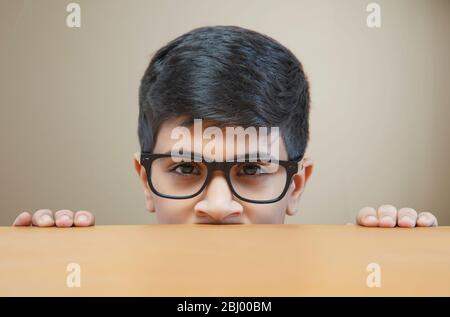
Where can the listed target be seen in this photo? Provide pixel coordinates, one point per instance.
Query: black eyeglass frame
(291, 166)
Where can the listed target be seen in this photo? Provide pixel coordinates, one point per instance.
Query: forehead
(167, 139)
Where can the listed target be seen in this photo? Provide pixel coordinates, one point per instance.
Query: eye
(249, 169)
(186, 169)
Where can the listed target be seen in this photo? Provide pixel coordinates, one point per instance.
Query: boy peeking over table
(245, 93)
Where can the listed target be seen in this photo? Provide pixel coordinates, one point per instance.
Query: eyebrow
(244, 156)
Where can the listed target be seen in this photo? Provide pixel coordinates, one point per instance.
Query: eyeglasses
(250, 179)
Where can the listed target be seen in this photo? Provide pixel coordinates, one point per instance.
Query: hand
(62, 219)
(387, 216)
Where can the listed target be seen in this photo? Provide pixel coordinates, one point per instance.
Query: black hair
(231, 76)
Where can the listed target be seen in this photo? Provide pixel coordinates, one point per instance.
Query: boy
(229, 77)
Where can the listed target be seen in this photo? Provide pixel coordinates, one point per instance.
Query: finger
(24, 219)
(406, 218)
(367, 217)
(64, 218)
(426, 219)
(387, 216)
(84, 218)
(43, 218)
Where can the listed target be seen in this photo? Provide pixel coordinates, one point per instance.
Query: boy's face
(216, 203)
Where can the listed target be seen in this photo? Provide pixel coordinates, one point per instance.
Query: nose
(218, 204)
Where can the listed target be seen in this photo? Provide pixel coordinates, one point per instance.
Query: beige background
(380, 101)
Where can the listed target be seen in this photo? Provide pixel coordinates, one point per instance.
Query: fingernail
(425, 219)
(387, 219)
(370, 219)
(82, 218)
(406, 219)
(64, 218)
(45, 220)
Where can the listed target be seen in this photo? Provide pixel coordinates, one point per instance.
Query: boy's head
(228, 77)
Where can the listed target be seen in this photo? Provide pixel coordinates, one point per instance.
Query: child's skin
(216, 204)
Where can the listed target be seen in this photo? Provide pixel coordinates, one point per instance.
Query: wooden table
(227, 260)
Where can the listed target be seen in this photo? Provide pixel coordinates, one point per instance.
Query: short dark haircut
(231, 76)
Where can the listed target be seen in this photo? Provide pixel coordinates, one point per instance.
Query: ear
(143, 177)
(298, 186)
